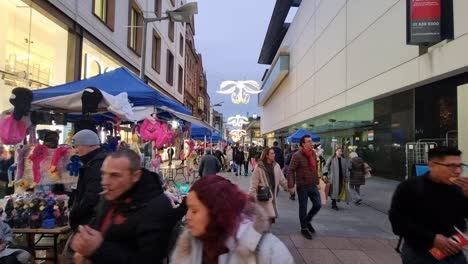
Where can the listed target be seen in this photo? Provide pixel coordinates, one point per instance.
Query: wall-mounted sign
(425, 21)
(429, 21)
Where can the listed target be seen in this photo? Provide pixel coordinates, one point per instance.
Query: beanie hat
(86, 137)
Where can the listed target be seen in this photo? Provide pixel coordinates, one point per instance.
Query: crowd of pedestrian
(120, 213)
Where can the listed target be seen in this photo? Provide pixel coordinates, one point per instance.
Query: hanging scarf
(310, 154)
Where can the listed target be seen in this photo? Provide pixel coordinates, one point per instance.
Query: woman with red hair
(226, 226)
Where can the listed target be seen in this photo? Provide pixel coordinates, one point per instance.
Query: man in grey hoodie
(209, 165)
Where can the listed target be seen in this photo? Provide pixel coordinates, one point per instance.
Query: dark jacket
(240, 158)
(253, 153)
(358, 172)
(88, 188)
(140, 227)
(209, 165)
(279, 156)
(299, 171)
(422, 208)
(4, 166)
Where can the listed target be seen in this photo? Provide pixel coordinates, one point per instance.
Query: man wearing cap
(88, 146)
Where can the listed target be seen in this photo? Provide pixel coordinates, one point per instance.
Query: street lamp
(181, 14)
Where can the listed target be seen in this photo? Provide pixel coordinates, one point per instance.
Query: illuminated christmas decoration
(240, 90)
(237, 121)
(238, 132)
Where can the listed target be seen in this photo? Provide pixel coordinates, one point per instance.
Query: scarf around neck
(310, 154)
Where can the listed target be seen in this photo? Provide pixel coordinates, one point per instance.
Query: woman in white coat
(337, 171)
(268, 173)
(224, 226)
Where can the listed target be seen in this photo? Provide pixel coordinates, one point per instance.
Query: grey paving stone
(352, 257)
(319, 256)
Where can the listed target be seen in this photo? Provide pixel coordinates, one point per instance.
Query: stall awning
(193, 120)
(115, 82)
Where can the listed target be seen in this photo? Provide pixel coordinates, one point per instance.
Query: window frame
(157, 51)
(180, 84)
(108, 8)
(171, 30)
(137, 37)
(170, 64)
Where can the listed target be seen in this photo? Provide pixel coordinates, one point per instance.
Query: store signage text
(91, 63)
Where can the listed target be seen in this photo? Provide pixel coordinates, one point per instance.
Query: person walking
(287, 161)
(303, 171)
(240, 160)
(246, 160)
(426, 210)
(336, 172)
(231, 230)
(87, 145)
(209, 165)
(229, 158)
(268, 174)
(357, 176)
(279, 155)
(134, 219)
(253, 155)
(170, 154)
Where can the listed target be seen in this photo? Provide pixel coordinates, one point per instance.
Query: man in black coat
(427, 210)
(134, 219)
(279, 155)
(87, 146)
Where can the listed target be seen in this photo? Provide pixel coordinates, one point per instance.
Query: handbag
(263, 193)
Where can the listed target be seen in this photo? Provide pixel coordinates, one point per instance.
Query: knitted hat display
(90, 100)
(21, 99)
(38, 155)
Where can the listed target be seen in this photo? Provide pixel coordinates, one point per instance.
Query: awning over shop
(193, 120)
(71, 104)
(296, 136)
(116, 82)
(199, 133)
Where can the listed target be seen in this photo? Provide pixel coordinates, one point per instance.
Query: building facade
(343, 70)
(203, 101)
(45, 43)
(195, 77)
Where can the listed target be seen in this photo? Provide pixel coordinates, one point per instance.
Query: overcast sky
(229, 34)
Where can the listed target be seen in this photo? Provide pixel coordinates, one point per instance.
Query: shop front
(95, 61)
(33, 49)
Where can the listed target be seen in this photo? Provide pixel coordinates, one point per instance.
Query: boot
(334, 206)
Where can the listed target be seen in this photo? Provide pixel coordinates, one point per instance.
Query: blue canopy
(115, 82)
(199, 133)
(296, 136)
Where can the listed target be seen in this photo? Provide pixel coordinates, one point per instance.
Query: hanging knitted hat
(21, 99)
(90, 100)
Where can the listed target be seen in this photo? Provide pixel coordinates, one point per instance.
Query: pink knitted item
(59, 153)
(12, 131)
(22, 153)
(38, 155)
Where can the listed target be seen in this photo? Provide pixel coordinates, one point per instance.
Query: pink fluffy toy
(38, 155)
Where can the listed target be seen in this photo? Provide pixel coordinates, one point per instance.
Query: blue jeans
(411, 256)
(303, 194)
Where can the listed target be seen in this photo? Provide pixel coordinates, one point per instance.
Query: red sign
(425, 9)
(425, 21)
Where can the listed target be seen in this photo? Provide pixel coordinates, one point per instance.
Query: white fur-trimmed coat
(243, 248)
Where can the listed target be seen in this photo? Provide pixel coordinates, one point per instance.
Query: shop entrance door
(417, 154)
